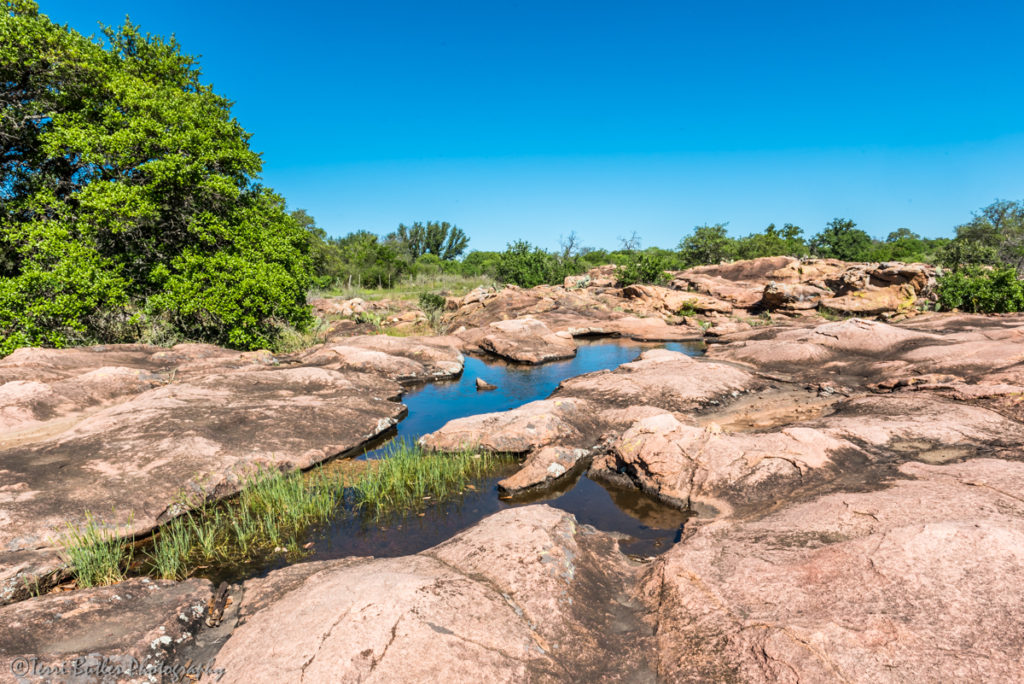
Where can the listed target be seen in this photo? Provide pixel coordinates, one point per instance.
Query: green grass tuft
(98, 554)
(273, 513)
(408, 478)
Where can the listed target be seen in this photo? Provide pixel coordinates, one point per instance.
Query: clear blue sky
(532, 119)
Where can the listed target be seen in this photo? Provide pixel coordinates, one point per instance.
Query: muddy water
(649, 526)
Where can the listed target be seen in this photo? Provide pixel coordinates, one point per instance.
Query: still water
(649, 526)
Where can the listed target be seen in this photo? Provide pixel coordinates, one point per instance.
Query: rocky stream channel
(808, 500)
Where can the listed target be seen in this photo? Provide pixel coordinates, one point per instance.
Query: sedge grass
(407, 477)
(98, 553)
(273, 513)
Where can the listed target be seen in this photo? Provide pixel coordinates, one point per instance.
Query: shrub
(433, 306)
(979, 290)
(126, 185)
(643, 267)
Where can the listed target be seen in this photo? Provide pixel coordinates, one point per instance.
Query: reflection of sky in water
(432, 405)
(652, 526)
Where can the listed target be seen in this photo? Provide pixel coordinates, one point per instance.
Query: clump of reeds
(407, 478)
(273, 513)
(99, 554)
(270, 515)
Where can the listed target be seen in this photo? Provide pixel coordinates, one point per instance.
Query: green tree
(527, 266)
(128, 195)
(478, 263)
(999, 227)
(841, 239)
(707, 245)
(443, 240)
(788, 241)
(963, 253)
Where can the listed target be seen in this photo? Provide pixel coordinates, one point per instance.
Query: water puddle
(434, 404)
(648, 527)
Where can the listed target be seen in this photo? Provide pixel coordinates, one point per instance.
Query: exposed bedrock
(524, 595)
(919, 582)
(131, 464)
(137, 626)
(584, 408)
(405, 359)
(982, 350)
(523, 340)
(857, 446)
(126, 433)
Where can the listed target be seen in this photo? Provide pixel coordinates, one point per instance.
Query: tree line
(131, 210)
(994, 237)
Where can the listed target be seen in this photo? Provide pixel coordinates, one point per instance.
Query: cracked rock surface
(525, 595)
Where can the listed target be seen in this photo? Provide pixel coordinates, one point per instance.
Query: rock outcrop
(131, 632)
(405, 359)
(132, 464)
(525, 595)
(543, 468)
(918, 581)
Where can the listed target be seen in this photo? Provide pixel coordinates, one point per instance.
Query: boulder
(526, 341)
(792, 296)
(668, 301)
(872, 301)
(484, 386)
(747, 270)
(543, 468)
(529, 427)
(919, 276)
(741, 295)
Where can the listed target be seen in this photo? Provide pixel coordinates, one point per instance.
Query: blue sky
(532, 119)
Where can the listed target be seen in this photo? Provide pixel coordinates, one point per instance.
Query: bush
(643, 267)
(527, 266)
(128, 193)
(433, 306)
(978, 290)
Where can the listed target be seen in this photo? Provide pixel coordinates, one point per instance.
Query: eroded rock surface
(131, 464)
(525, 595)
(916, 582)
(405, 359)
(526, 341)
(856, 446)
(543, 468)
(137, 626)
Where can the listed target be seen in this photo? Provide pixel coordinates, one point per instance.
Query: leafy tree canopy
(443, 240)
(788, 241)
(707, 245)
(994, 235)
(128, 197)
(841, 239)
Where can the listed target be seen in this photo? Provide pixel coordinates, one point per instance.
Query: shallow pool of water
(432, 405)
(649, 527)
(652, 527)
